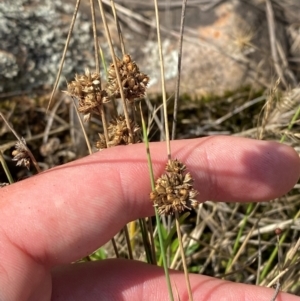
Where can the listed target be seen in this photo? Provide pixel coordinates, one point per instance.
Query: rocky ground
(227, 44)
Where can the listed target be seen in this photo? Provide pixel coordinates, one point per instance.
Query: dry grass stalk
(163, 84)
(273, 42)
(113, 7)
(95, 36)
(64, 53)
(114, 58)
(88, 144)
(176, 98)
(267, 109)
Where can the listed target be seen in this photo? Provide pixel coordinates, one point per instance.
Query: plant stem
(158, 223)
(82, 128)
(163, 85)
(237, 239)
(176, 98)
(95, 37)
(108, 37)
(113, 7)
(104, 123)
(186, 273)
(64, 52)
(6, 169)
(127, 238)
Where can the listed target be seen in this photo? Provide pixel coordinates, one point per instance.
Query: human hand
(67, 212)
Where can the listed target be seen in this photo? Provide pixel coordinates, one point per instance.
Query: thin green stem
(295, 117)
(147, 245)
(6, 169)
(237, 239)
(158, 223)
(272, 257)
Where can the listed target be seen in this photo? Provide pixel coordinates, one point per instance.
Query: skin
(65, 213)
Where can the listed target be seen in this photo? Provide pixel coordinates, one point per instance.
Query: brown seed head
(87, 89)
(131, 67)
(21, 154)
(174, 190)
(175, 166)
(126, 59)
(134, 83)
(118, 133)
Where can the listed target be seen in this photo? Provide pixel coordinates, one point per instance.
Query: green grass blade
(6, 169)
(295, 117)
(272, 257)
(169, 236)
(237, 239)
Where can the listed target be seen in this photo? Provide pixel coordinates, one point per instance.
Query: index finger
(75, 208)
